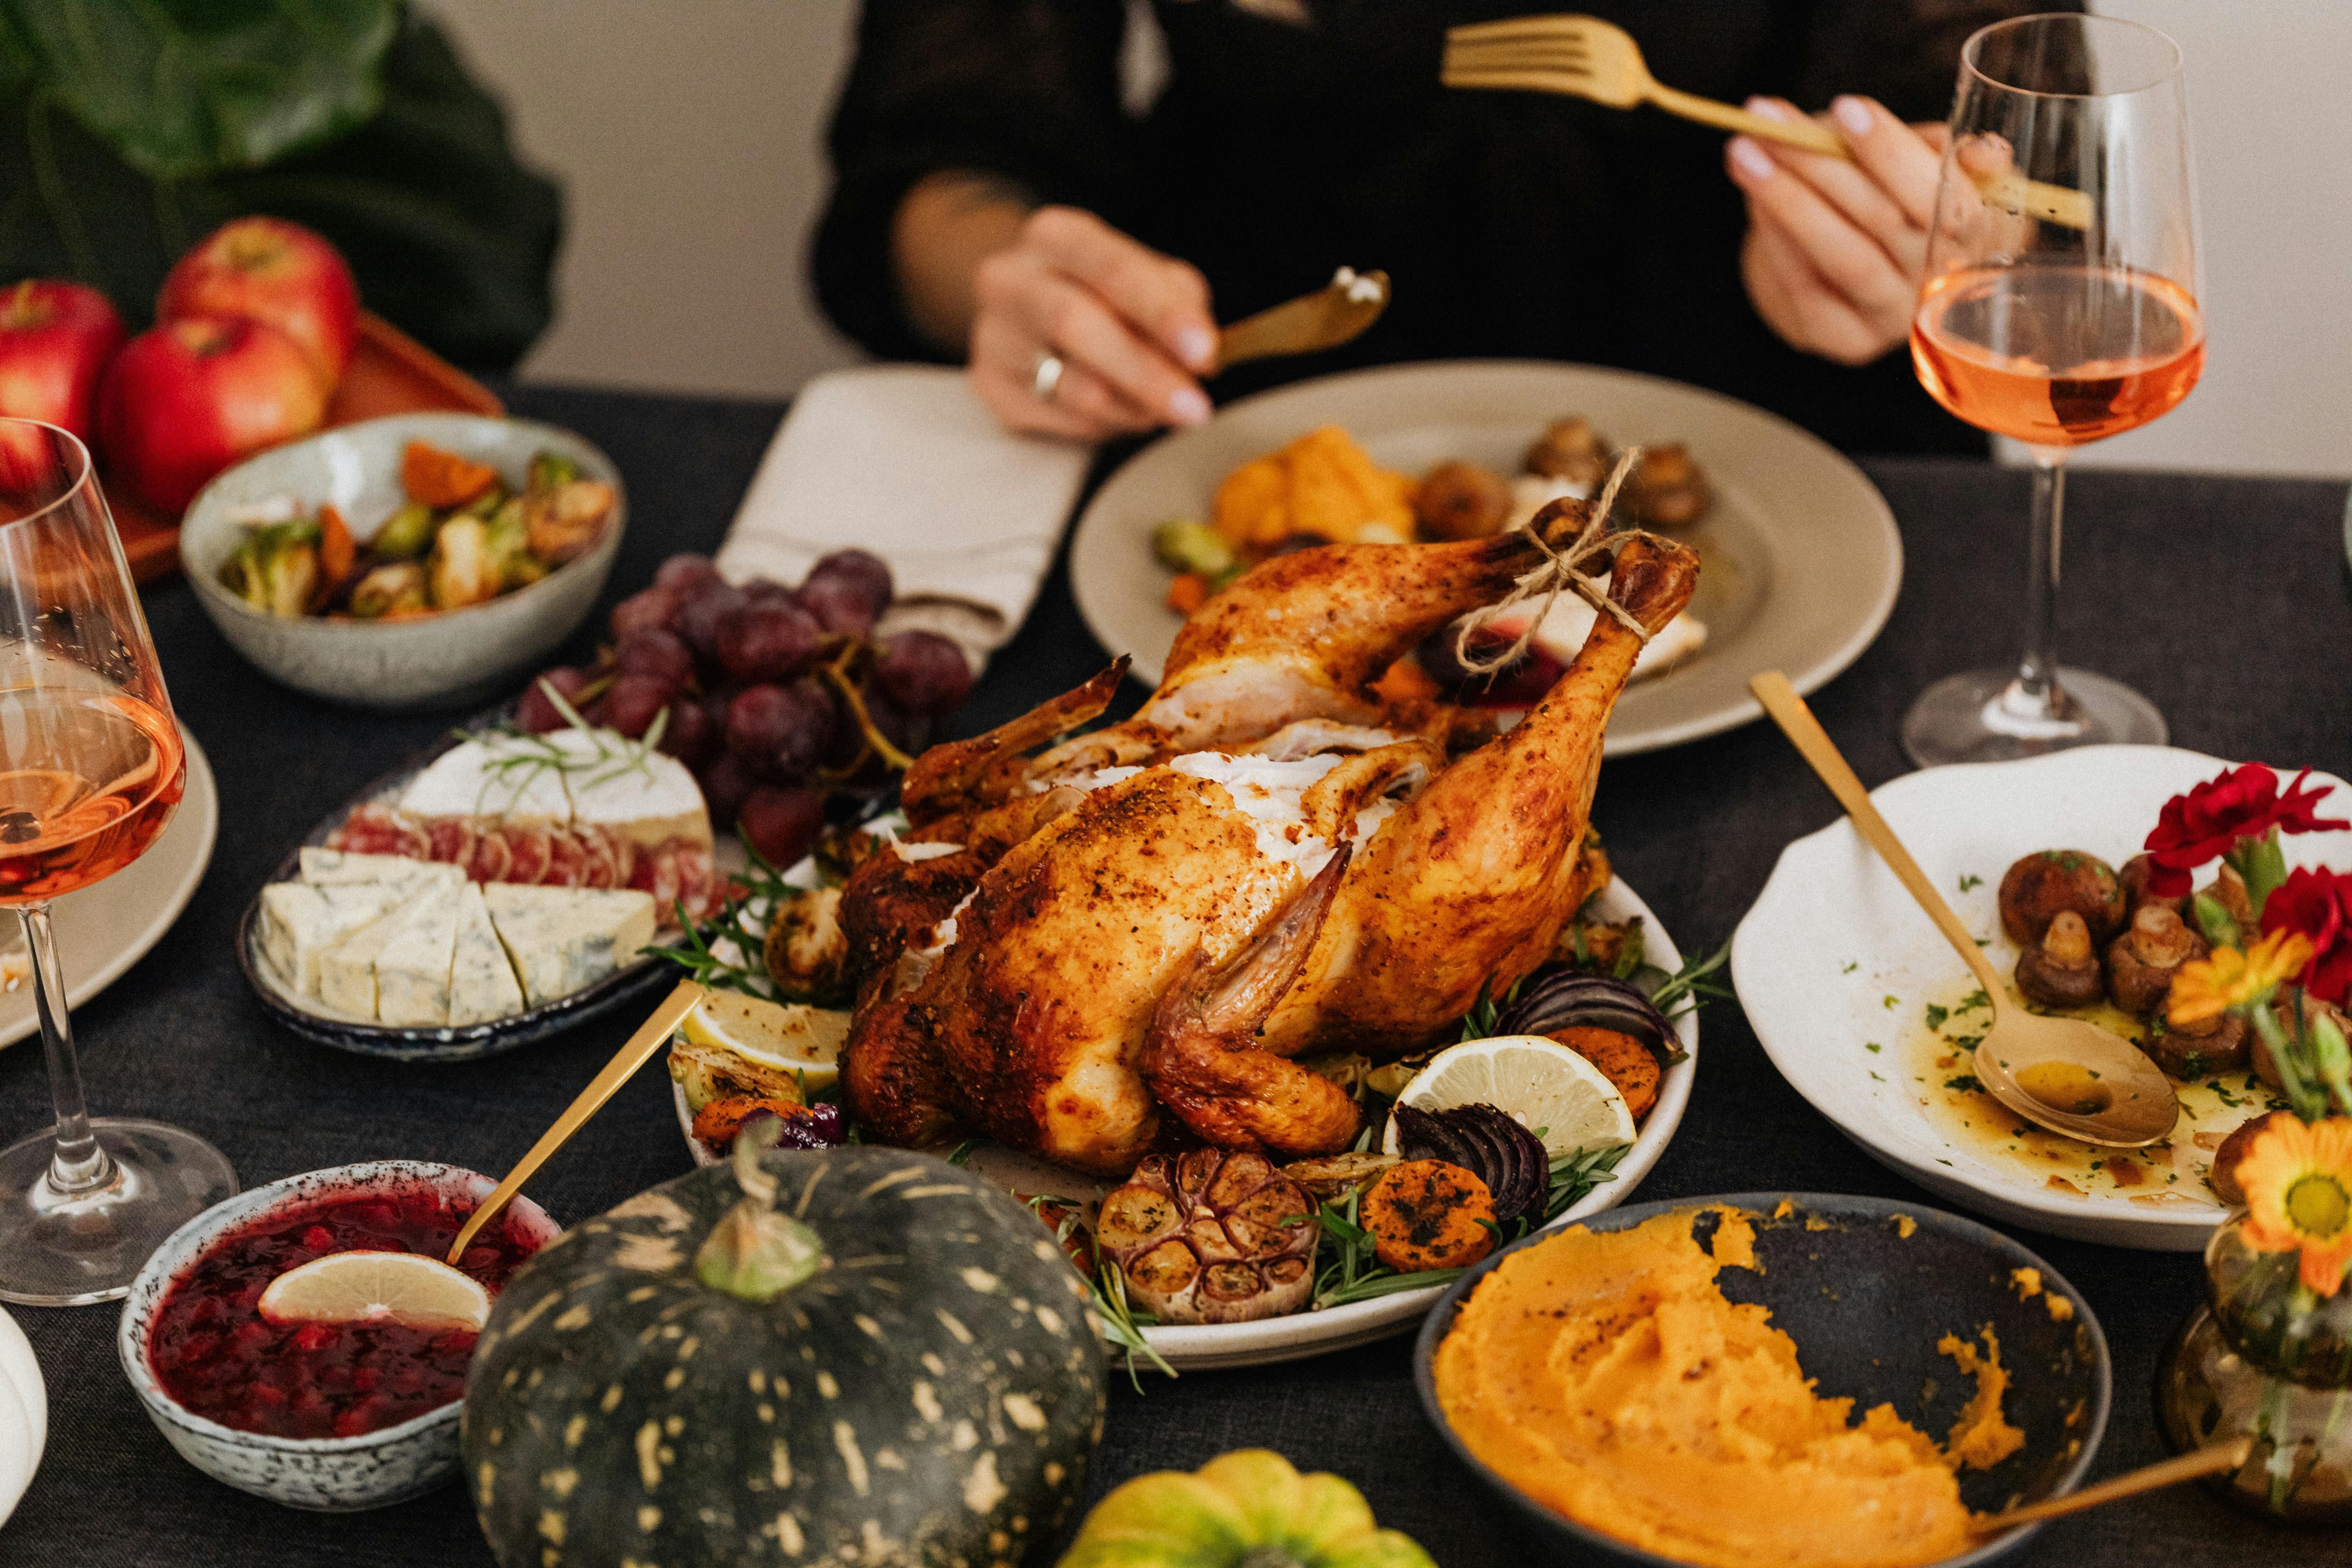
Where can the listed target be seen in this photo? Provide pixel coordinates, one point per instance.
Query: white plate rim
(184, 853)
(1098, 531)
(1207, 1346)
(1792, 1034)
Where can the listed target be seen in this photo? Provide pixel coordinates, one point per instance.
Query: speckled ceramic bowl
(457, 657)
(335, 1474)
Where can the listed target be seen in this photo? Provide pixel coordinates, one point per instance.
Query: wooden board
(390, 372)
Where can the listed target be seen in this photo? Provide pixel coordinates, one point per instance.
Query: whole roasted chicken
(1148, 921)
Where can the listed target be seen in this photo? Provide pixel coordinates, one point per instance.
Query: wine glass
(91, 766)
(2059, 307)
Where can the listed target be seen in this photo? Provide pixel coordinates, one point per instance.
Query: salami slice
(528, 855)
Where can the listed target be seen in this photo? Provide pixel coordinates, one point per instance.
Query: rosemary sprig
(1690, 986)
(1120, 1323)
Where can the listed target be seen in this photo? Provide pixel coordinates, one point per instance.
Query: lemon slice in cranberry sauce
(402, 1287)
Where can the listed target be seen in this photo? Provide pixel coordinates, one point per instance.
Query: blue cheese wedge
(331, 868)
(411, 971)
(299, 922)
(482, 980)
(350, 974)
(506, 776)
(561, 939)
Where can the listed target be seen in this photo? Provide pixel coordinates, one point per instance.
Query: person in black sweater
(997, 203)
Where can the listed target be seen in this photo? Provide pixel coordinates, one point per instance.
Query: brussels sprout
(462, 572)
(276, 570)
(405, 535)
(549, 469)
(484, 504)
(565, 520)
(395, 587)
(1184, 545)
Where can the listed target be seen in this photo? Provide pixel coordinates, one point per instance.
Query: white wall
(687, 133)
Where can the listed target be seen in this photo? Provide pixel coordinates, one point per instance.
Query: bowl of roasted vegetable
(421, 560)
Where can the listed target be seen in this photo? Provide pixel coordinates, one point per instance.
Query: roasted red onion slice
(1557, 997)
(1489, 1144)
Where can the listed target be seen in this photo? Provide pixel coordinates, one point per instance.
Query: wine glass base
(1977, 717)
(60, 1249)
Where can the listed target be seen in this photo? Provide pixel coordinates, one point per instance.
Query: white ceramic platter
(1836, 958)
(109, 926)
(23, 1415)
(1310, 1334)
(1801, 556)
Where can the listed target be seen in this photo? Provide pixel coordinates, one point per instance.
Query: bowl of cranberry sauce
(316, 1415)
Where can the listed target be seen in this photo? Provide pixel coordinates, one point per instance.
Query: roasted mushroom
(1666, 490)
(2062, 968)
(565, 520)
(806, 951)
(1211, 1238)
(2142, 961)
(1336, 1176)
(2223, 1176)
(2201, 1050)
(1572, 451)
(2223, 911)
(2037, 887)
(1461, 501)
(2133, 881)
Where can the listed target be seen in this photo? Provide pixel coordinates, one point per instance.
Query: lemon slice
(787, 1037)
(377, 1287)
(1538, 1083)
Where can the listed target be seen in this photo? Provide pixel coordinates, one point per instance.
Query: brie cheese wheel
(482, 980)
(561, 939)
(503, 776)
(648, 797)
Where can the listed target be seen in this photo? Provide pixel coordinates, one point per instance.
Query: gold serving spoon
(642, 1045)
(1328, 317)
(2169, 1472)
(2069, 1076)
(1583, 57)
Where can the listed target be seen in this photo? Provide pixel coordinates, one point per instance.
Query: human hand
(1835, 249)
(1126, 322)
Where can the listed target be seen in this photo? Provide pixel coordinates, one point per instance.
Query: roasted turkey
(1074, 947)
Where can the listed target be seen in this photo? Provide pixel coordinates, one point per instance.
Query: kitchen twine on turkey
(1561, 569)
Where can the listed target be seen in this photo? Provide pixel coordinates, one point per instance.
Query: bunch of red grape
(775, 697)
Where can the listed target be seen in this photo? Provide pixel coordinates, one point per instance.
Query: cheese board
(492, 892)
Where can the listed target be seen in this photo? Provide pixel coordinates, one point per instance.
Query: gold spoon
(2065, 1074)
(2180, 1468)
(618, 1072)
(1328, 317)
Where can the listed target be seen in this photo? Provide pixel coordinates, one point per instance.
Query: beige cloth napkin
(903, 460)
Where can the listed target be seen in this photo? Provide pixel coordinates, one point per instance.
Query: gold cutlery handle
(1810, 135)
(1813, 743)
(640, 1048)
(2180, 1468)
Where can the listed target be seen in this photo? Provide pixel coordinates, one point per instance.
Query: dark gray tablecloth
(2224, 599)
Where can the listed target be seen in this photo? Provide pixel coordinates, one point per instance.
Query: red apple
(55, 339)
(273, 271)
(187, 399)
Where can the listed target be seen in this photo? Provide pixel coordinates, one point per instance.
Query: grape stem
(838, 677)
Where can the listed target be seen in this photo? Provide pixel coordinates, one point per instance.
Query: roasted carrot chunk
(443, 479)
(1187, 593)
(1427, 1213)
(1622, 1060)
(337, 553)
(718, 1122)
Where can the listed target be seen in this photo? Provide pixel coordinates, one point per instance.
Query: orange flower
(2208, 987)
(2298, 1182)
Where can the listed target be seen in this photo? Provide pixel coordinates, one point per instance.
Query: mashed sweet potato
(1608, 1377)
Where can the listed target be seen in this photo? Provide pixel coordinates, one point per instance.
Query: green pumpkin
(861, 1355)
(1244, 1510)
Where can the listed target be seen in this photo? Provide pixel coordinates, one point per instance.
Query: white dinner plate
(1835, 959)
(1799, 556)
(1302, 1334)
(109, 926)
(23, 1415)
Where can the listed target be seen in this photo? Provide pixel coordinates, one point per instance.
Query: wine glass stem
(2035, 693)
(79, 1163)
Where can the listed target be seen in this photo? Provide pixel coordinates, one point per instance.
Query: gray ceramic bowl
(457, 657)
(1865, 1303)
(335, 1475)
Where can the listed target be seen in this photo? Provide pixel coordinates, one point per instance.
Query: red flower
(2319, 905)
(2207, 822)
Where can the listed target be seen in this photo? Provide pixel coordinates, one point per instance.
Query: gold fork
(1583, 57)
(1328, 317)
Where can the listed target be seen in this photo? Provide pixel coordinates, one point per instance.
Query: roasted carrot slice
(337, 553)
(1187, 593)
(443, 479)
(1427, 1213)
(1622, 1060)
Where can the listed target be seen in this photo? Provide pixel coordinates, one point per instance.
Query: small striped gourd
(1248, 1508)
(857, 1355)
